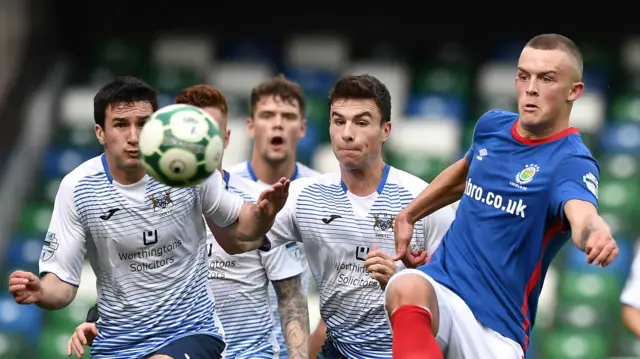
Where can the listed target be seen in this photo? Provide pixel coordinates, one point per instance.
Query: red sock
(412, 334)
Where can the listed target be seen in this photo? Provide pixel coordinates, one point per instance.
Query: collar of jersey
(383, 180)
(105, 165)
(255, 178)
(227, 175)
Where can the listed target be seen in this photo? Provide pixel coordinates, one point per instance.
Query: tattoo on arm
(584, 237)
(294, 316)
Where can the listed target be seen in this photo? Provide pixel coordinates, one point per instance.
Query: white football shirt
(631, 293)
(245, 170)
(240, 285)
(338, 229)
(146, 243)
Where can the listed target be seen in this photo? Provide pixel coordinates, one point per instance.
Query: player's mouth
(133, 153)
(530, 107)
(277, 141)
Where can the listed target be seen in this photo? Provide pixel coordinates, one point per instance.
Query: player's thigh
(413, 287)
(198, 346)
(465, 338)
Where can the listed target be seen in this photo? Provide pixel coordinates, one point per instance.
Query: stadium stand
(435, 103)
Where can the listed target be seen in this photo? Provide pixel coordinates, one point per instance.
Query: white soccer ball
(181, 145)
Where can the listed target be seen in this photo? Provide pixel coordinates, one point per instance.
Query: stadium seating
(436, 102)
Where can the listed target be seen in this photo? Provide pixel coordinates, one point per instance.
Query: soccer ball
(181, 145)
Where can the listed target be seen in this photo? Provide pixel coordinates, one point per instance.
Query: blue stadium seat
(249, 50)
(507, 51)
(595, 80)
(23, 253)
(577, 260)
(58, 162)
(16, 318)
(308, 144)
(439, 106)
(623, 138)
(312, 81)
(166, 99)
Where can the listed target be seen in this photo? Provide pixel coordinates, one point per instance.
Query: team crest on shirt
(162, 203)
(51, 245)
(525, 176)
(383, 224)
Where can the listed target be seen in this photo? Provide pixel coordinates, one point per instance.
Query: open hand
(272, 199)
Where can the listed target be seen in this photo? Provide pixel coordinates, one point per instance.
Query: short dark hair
(203, 96)
(122, 90)
(558, 42)
(363, 87)
(278, 86)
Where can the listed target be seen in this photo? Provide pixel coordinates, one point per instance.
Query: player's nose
(134, 135)
(532, 89)
(347, 133)
(277, 121)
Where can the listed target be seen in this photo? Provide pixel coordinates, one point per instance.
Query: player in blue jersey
(154, 301)
(527, 183)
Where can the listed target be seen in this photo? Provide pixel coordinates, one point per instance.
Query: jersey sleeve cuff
(75, 283)
(266, 244)
(630, 300)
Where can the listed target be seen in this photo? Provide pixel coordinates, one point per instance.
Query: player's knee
(409, 289)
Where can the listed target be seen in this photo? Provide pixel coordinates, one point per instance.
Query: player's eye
(547, 79)
(523, 77)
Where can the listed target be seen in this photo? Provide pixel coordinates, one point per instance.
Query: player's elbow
(631, 318)
(56, 293)
(236, 247)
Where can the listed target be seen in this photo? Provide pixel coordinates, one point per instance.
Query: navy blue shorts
(197, 346)
(329, 351)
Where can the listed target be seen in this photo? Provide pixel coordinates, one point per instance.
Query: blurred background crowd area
(54, 55)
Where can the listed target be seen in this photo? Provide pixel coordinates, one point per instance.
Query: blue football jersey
(510, 223)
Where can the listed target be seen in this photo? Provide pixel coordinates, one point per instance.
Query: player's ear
(99, 133)
(250, 128)
(576, 91)
(386, 131)
(227, 137)
(303, 128)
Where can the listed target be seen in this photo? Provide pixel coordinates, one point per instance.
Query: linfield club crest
(162, 203)
(383, 224)
(527, 174)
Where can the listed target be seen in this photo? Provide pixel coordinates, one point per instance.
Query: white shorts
(460, 336)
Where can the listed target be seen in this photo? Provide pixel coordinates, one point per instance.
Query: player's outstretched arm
(294, 316)
(48, 292)
(590, 233)
(239, 226)
(445, 189)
